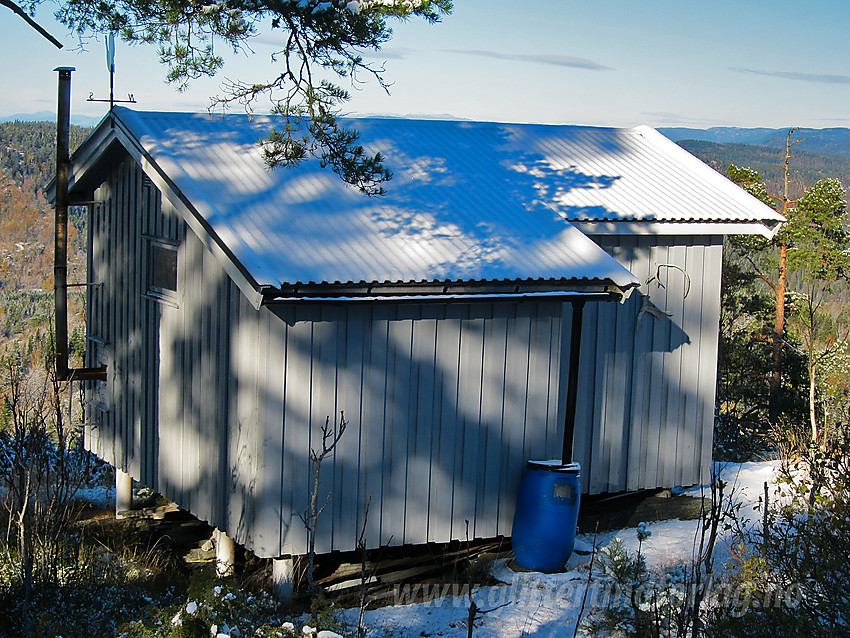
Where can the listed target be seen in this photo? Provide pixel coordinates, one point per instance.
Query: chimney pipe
(60, 246)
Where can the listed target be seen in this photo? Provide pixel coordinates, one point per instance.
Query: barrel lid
(555, 465)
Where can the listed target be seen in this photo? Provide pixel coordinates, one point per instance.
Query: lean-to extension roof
(637, 180)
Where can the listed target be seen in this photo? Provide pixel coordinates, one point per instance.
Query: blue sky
(606, 62)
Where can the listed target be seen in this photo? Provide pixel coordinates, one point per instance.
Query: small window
(162, 270)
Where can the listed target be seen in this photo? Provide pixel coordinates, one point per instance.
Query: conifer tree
(317, 39)
(811, 244)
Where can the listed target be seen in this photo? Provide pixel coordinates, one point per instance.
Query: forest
(783, 393)
(809, 166)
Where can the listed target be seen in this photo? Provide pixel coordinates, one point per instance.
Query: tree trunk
(812, 392)
(778, 335)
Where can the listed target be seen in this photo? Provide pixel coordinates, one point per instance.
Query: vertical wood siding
(648, 372)
(216, 404)
(440, 424)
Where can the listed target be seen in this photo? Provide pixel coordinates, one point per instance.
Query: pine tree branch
(35, 25)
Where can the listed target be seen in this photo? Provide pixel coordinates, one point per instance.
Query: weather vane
(110, 64)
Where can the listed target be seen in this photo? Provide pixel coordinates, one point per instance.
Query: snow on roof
(468, 201)
(451, 212)
(640, 175)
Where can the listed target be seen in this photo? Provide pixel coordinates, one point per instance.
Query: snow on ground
(100, 496)
(547, 605)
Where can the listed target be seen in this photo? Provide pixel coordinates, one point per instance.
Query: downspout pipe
(60, 237)
(572, 382)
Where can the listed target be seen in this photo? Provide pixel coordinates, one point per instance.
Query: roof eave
(445, 292)
(766, 228)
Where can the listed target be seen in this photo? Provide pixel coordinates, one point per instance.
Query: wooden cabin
(237, 308)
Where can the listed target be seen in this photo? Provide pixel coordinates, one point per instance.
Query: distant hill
(834, 141)
(47, 116)
(720, 134)
(806, 167)
(27, 163)
(28, 151)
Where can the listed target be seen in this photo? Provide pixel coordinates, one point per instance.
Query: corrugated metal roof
(468, 201)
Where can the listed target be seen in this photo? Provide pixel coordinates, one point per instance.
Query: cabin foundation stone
(225, 554)
(283, 578)
(123, 493)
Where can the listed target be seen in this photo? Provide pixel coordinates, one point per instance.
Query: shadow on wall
(446, 403)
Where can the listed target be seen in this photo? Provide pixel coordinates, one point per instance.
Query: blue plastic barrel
(546, 515)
